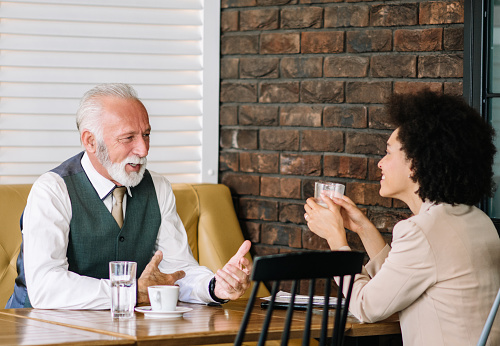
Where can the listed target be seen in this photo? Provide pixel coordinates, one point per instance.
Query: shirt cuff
(344, 248)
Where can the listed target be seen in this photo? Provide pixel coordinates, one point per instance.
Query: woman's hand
(354, 219)
(326, 222)
(342, 212)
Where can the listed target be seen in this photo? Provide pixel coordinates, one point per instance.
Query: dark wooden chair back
(310, 266)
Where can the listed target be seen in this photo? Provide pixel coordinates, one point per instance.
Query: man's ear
(89, 141)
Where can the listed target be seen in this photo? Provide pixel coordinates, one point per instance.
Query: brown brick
(280, 43)
(369, 41)
(251, 231)
(310, 67)
(392, 15)
(368, 92)
(264, 250)
(300, 164)
(322, 91)
(366, 194)
(258, 209)
(257, 115)
(229, 21)
(246, 139)
(301, 17)
(454, 88)
(259, 19)
(322, 140)
(366, 143)
(276, 234)
(441, 66)
(396, 203)
(242, 184)
(279, 139)
(345, 116)
(239, 44)
(301, 116)
(229, 68)
(346, 66)
(280, 187)
(385, 220)
(453, 39)
(276, 2)
(226, 138)
(311, 241)
(308, 187)
(315, 42)
(377, 118)
(418, 40)
(319, 1)
(291, 212)
(346, 166)
(346, 16)
(374, 173)
(238, 139)
(441, 12)
(387, 65)
(228, 161)
(414, 87)
(277, 92)
(237, 3)
(354, 242)
(238, 92)
(228, 115)
(259, 162)
(259, 67)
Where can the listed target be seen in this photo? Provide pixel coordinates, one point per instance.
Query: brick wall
(303, 83)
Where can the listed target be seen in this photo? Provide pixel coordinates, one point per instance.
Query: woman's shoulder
(442, 216)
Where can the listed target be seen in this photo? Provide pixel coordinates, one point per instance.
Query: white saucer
(147, 311)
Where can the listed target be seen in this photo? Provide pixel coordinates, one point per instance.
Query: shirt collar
(102, 185)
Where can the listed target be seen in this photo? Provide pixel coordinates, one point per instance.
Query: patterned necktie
(117, 210)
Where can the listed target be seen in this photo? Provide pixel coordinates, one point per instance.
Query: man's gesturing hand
(153, 276)
(233, 279)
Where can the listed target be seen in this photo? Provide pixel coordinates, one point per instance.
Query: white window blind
(53, 51)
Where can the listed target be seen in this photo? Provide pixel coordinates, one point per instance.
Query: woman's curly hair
(449, 144)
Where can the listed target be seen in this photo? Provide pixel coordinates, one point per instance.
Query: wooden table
(23, 331)
(203, 325)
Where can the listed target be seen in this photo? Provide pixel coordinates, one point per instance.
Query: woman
(442, 270)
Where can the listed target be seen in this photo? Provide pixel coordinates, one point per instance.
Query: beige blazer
(442, 275)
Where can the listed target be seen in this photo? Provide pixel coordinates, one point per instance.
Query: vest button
(122, 239)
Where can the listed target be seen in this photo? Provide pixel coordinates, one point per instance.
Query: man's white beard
(117, 170)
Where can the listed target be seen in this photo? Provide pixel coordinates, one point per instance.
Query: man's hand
(233, 279)
(153, 276)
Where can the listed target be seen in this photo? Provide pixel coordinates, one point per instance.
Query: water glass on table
(329, 189)
(122, 275)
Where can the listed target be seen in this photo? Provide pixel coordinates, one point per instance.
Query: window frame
(476, 65)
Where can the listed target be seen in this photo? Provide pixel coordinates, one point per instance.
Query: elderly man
(75, 222)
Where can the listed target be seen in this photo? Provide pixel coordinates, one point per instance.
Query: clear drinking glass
(123, 288)
(329, 189)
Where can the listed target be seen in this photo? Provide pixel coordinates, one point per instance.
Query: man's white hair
(88, 115)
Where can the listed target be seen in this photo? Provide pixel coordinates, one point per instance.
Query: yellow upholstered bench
(205, 209)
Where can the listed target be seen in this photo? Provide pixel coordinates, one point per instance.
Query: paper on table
(284, 297)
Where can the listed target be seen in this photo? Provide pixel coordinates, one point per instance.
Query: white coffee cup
(163, 298)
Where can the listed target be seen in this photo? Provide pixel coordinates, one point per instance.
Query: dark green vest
(95, 238)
